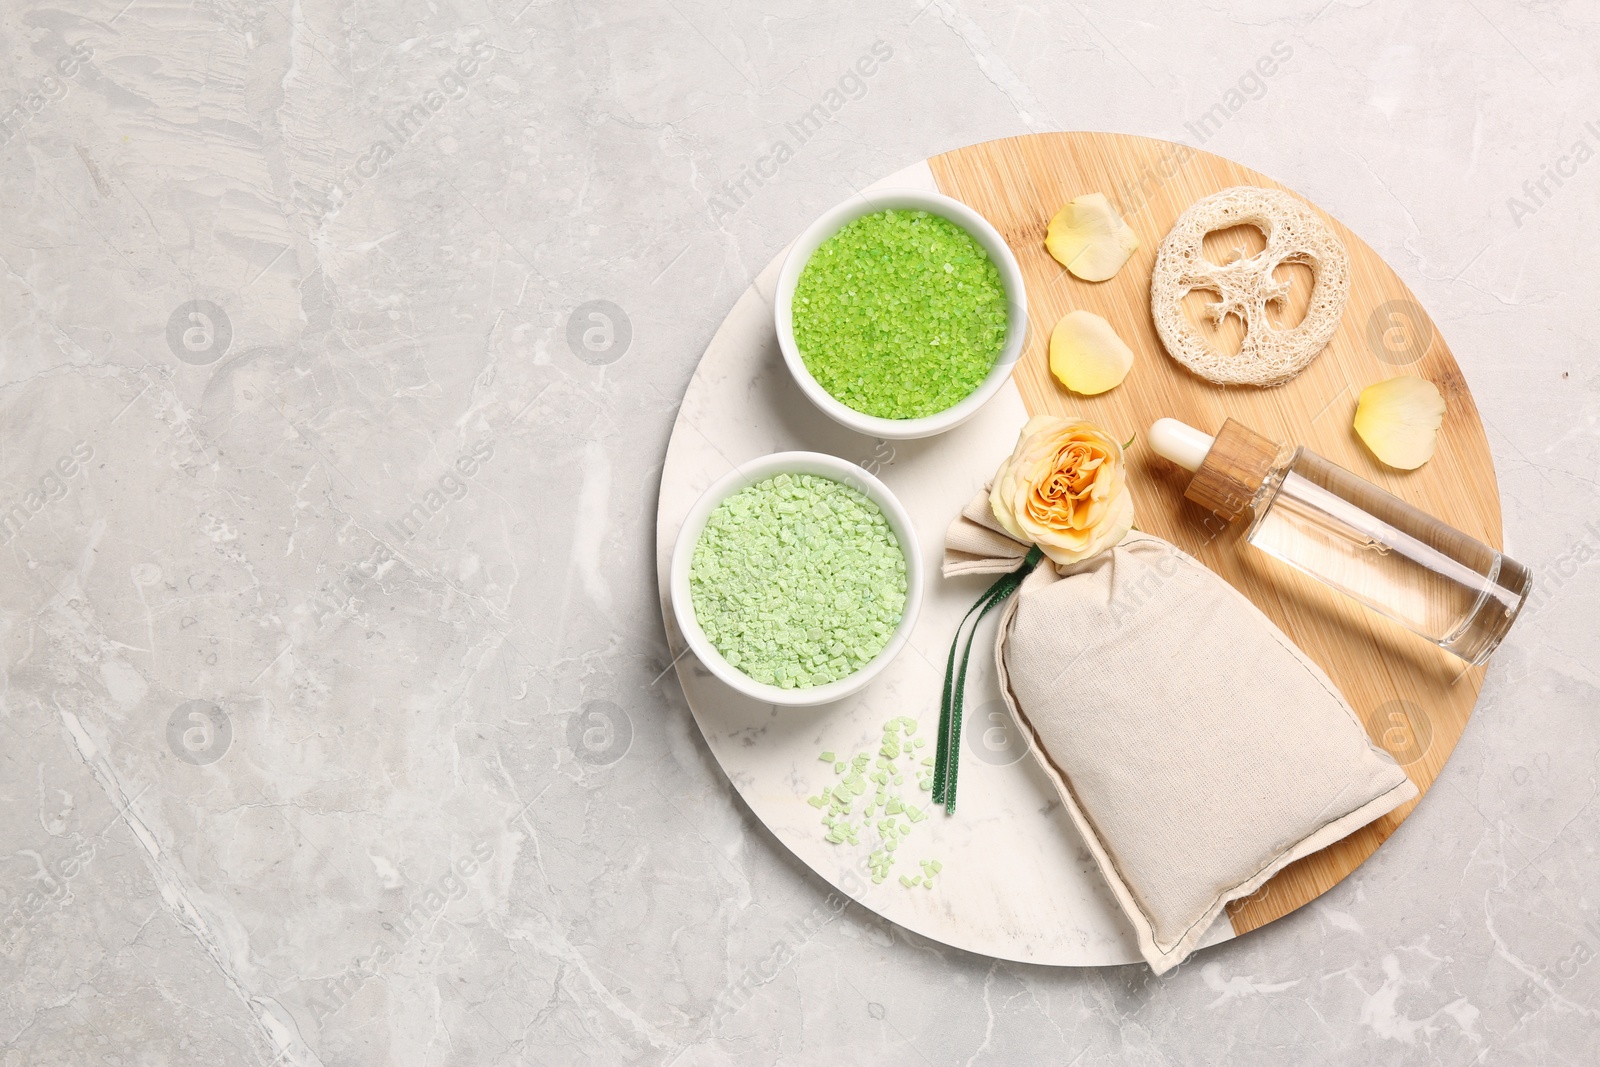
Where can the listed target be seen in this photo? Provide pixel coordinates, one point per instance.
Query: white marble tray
(1017, 882)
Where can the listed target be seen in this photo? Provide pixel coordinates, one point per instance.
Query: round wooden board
(1414, 698)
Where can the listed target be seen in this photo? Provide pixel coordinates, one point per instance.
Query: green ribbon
(949, 753)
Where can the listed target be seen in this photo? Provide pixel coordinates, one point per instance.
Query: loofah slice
(1270, 355)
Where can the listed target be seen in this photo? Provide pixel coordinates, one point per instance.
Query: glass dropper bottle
(1344, 531)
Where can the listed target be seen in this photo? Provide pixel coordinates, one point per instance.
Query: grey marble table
(335, 720)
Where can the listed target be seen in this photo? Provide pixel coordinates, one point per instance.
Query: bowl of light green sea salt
(796, 578)
(900, 313)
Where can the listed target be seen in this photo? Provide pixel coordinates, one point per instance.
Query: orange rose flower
(1063, 489)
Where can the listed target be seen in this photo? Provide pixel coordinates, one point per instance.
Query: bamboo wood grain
(1413, 697)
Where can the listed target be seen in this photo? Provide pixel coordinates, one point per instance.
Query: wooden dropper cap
(1232, 469)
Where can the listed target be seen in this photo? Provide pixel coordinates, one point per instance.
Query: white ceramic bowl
(935, 204)
(744, 477)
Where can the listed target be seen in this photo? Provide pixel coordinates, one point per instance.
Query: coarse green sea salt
(900, 314)
(798, 580)
(878, 811)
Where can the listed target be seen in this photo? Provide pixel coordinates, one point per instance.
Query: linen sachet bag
(1196, 749)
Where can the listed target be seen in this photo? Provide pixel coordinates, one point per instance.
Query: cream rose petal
(1399, 420)
(1090, 239)
(1001, 495)
(1086, 355)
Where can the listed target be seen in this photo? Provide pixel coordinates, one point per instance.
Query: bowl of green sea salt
(900, 313)
(796, 578)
